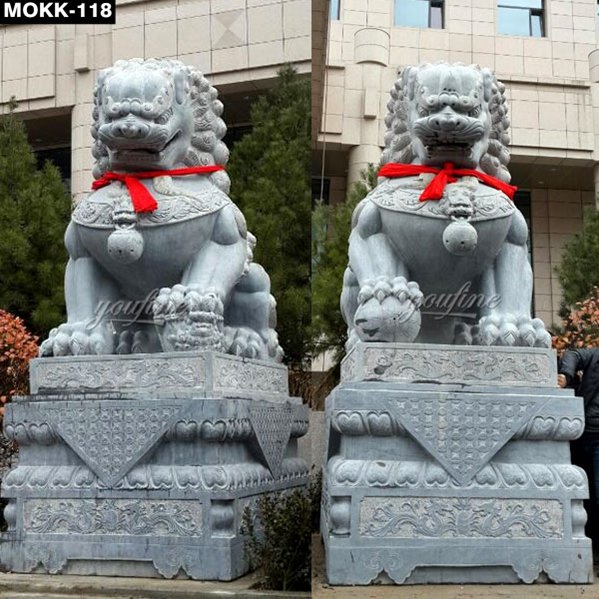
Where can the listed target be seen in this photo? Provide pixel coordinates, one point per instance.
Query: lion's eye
(475, 112)
(422, 111)
(164, 117)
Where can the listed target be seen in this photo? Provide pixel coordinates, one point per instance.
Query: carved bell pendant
(125, 244)
(460, 237)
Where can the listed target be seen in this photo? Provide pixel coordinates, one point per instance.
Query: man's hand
(562, 381)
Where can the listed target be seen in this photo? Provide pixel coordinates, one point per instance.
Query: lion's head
(155, 115)
(448, 113)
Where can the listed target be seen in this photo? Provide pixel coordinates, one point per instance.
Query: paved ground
(41, 586)
(320, 590)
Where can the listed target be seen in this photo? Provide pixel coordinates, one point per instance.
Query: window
(235, 133)
(321, 190)
(419, 13)
(335, 7)
(521, 17)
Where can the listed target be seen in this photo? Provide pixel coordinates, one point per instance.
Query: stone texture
(416, 467)
(419, 362)
(146, 481)
(201, 373)
(451, 265)
(157, 277)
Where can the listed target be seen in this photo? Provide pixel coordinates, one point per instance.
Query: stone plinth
(143, 465)
(432, 478)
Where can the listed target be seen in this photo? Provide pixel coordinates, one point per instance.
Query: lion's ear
(181, 81)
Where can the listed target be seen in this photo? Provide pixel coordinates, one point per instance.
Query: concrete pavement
(43, 586)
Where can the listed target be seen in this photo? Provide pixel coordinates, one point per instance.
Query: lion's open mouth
(152, 154)
(463, 149)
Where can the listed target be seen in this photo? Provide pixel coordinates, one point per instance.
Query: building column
(358, 159)
(371, 49)
(594, 76)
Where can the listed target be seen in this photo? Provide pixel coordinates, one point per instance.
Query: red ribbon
(443, 176)
(142, 199)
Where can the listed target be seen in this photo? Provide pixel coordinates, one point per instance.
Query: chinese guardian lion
(438, 250)
(159, 229)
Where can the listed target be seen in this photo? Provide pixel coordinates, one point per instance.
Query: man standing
(585, 450)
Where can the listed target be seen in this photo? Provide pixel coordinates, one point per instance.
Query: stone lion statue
(159, 260)
(438, 250)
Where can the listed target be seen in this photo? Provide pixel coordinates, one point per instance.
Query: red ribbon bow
(443, 176)
(142, 199)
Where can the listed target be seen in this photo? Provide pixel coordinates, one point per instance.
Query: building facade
(544, 51)
(238, 44)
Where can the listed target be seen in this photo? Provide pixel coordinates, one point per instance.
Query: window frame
(532, 12)
(335, 10)
(439, 4)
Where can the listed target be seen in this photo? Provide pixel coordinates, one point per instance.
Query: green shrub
(278, 538)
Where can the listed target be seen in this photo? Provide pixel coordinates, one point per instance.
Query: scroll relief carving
(120, 374)
(441, 365)
(442, 517)
(113, 517)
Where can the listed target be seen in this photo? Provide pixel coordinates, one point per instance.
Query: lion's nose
(443, 122)
(130, 130)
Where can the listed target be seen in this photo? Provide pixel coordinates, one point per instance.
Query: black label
(56, 12)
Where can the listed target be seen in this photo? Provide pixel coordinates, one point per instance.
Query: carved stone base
(142, 481)
(431, 482)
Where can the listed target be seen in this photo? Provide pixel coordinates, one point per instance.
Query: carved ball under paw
(187, 318)
(389, 310)
(389, 320)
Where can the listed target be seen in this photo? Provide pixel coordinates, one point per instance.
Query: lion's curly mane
(398, 143)
(207, 147)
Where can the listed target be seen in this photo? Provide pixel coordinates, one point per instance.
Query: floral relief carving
(113, 517)
(120, 374)
(249, 376)
(442, 517)
(404, 363)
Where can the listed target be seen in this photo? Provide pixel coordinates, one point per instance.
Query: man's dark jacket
(586, 360)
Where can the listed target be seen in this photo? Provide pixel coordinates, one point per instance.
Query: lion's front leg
(386, 306)
(90, 295)
(190, 315)
(508, 320)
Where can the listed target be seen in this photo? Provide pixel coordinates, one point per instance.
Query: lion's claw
(245, 342)
(506, 330)
(78, 339)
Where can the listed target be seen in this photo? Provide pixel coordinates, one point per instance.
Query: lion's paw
(77, 339)
(388, 310)
(508, 330)
(245, 342)
(189, 318)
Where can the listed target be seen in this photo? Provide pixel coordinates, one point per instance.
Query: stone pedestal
(142, 465)
(452, 464)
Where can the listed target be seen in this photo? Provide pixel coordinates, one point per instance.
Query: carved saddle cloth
(175, 204)
(403, 195)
